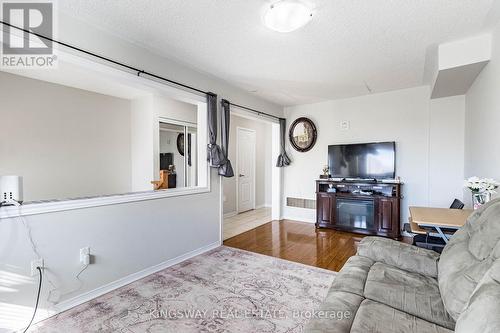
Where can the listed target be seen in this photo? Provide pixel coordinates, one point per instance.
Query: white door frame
(238, 128)
(277, 173)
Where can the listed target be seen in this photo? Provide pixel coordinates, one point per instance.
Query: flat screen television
(363, 160)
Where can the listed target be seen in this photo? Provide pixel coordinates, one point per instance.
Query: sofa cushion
(342, 306)
(482, 314)
(353, 275)
(409, 292)
(467, 257)
(402, 255)
(376, 317)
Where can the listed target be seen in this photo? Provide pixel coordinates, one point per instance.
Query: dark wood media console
(365, 207)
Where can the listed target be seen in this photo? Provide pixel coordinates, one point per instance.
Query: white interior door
(245, 174)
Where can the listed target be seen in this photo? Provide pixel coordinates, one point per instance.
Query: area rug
(223, 290)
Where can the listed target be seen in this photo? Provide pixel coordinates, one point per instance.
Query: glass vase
(480, 198)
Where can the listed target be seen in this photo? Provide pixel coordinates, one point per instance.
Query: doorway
(245, 169)
(249, 197)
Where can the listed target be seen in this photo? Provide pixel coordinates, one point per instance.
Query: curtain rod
(255, 111)
(139, 71)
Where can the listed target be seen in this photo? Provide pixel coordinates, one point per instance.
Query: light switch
(345, 124)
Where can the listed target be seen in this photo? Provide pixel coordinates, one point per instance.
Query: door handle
(240, 175)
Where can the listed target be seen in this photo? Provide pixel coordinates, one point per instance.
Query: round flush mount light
(287, 15)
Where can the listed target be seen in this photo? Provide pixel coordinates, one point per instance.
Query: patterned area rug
(224, 290)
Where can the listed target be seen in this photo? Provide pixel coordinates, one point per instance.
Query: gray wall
(124, 238)
(65, 142)
(262, 165)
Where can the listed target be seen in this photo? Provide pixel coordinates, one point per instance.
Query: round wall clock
(302, 134)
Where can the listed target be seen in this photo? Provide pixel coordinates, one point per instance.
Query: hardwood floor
(300, 242)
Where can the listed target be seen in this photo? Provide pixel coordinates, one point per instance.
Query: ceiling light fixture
(287, 15)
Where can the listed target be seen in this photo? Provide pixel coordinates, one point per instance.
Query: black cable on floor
(37, 298)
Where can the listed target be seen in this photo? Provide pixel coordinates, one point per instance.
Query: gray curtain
(225, 169)
(214, 152)
(283, 159)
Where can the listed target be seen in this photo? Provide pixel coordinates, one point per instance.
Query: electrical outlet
(34, 264)
(85, 255)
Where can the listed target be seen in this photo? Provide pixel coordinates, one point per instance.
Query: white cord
(80, 282)
(26, 226)
(35, 251)
(33, 245)
(78, 277)
(28, 229)
(30, 237)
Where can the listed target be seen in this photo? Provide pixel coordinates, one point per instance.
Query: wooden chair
(167, 180)
(161, 184)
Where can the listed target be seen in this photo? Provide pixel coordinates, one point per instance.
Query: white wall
(90, 38)
(263, 177)
(403, 116)
(128, 237)
(146, 113)
(168, 108)
(482, 121)
(270, 165)
(446, 150)
(464, 52)
(142, 144)
(168, 144)
(65, 142)
(172, 109)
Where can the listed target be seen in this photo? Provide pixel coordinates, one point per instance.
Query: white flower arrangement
(481, 185)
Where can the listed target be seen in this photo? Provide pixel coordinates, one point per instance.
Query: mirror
(77, 132)
(180, 169)
(302, 134)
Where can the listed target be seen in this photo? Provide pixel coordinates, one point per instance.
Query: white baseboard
(299, 219)
(72, 302)
(299, 214)
(230, 214)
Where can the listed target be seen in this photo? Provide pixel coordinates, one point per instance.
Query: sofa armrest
(401, 255)
(481, 312)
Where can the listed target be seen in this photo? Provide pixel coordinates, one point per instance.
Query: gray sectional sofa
(390, 286)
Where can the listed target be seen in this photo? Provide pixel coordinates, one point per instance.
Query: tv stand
(368, 207)
(357, 180)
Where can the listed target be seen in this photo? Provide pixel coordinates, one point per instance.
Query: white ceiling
(348, 43)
